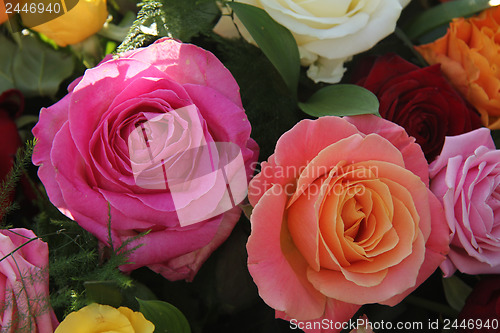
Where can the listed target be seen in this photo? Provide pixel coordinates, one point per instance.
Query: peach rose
(343, 216)
(469, 55)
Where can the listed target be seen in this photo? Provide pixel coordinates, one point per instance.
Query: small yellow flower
(96, 318)
(77, 24)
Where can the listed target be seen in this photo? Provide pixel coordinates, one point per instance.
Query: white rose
(330, 32)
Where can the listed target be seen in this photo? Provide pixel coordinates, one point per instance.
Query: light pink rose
(127, 133)
(24, 284)
(466, 178)
(342, 217)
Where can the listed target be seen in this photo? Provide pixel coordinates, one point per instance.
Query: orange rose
(3, 12)
(469, 55)
(342, 217)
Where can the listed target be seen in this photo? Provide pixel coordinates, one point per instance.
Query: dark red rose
(418, 99)
(482, 307)
(11, 106)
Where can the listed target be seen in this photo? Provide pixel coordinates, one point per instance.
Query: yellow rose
(77, 24)
(96, 318)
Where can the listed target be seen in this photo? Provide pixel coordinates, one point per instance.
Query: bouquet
(250, 166)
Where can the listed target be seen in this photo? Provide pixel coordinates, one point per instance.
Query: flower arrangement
(250, 166)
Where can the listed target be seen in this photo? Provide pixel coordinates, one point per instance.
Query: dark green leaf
(170, 18)
(6, 59)
(442, 14)
(103, 292)
(341, 100)
(456, 292)
(495, 134)
(274, 111)
(136, 291)
(275, 41)
(165, 317)
(247, 209)
(236, 291)
(36, 69)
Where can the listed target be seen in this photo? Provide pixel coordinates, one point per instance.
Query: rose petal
(436, 248)
(413, 156)
(86, 108)
(335, 311)
(189, 64)
(272, 253)
(464, 144)
(186, 266)
(334, 285)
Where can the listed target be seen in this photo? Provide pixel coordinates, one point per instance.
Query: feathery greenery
(7, 186)
(170, 18)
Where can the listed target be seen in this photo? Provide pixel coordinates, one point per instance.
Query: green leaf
(456, 292)
(6, 59)
(118, 32)
(26, 120)
(275, 41)
(170, 18)
(165, 317)
(442, 14)
(137, 291)
(341, 100)
(495, 134)
(236, 291)
(103, 292)
(247, 209)
(274, 112)
(33, 67)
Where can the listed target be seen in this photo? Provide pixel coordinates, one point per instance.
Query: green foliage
(71, 269)
(442, 14)
(32, 66)
(72, 272)
(22, 160)
(165, 317)
(456, 292)
(495, 134)
(75, 260)
(104, 292)
(266, 99)
(275, 41)
(170, 18)
(110, 293)
(341, 100)
(67, 287)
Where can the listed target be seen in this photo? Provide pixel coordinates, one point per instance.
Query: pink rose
(342, 217)
(465, 177)
(24, 281)
(158, 134)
